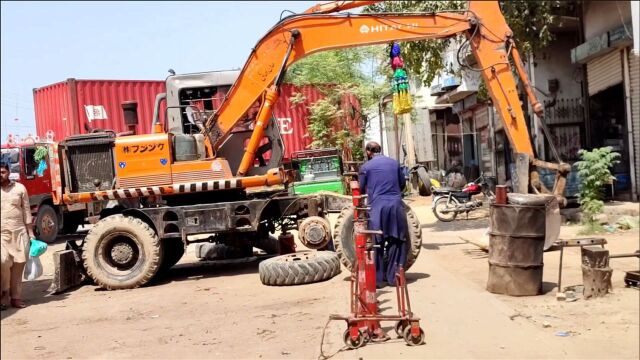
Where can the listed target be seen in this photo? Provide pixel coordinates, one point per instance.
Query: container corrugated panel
(293, 117)
(77, 106)
(53, 111)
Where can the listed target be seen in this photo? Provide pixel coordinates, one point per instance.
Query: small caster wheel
(367, 337)
(410, 339)
(351, 344)
(400, 326)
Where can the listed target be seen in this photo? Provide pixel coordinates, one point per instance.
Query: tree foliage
(529, 21)
(337, 73)
(594, 174)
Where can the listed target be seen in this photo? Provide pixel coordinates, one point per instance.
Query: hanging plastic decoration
(400, 85)
(40, 156)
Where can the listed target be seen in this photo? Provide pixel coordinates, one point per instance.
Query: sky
(48, 42)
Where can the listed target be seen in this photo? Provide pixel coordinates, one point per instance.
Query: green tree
(529, 21)
(337, 73)
(594, 174)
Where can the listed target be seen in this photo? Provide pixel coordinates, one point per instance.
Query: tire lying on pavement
(302, 267)
(344, 238)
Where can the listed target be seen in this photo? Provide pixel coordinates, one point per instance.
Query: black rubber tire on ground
(413, 341)
(442, 201)
(71, 222)
(118, 233)
(302, 267)
(47, 224)
(344, 240)
(172, 252)
(424, 182)
(269, 245)
(360, 341)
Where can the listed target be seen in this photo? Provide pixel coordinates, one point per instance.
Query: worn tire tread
(415, 236)
(145, 234)
(322, 266)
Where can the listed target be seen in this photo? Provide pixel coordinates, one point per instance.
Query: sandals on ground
(18, 303)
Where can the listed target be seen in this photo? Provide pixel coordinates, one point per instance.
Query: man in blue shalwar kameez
(381, 178)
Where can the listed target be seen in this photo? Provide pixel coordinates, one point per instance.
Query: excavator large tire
(344, 238)
(172, 252)
(302, 267)
(121, 252)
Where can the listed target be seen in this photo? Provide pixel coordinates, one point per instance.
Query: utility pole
(396, 136)
(411, 154)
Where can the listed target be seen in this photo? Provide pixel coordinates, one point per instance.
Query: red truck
(49, 219)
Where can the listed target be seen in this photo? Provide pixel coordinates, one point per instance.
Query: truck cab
(35, 175)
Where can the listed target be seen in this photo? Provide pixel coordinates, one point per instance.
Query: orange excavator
(208, 177)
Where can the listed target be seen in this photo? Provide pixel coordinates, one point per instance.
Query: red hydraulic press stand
(364, 321)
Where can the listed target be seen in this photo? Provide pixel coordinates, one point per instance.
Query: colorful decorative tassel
(400, 83)
(397, 63)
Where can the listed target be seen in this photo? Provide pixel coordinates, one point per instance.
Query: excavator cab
(193, 98)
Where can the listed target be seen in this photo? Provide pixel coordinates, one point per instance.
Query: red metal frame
(364, 319)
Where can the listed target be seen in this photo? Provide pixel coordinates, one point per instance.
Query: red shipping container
(74, 107)
(293, 118)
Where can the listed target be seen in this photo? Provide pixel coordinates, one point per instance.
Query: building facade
(611, 68)
(587, 79)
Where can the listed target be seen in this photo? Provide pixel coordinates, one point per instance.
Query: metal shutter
(604, 72)
(634, 82)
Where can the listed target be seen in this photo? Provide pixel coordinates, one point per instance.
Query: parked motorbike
(449, 202)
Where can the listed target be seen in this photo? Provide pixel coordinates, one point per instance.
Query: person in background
(454, 177)
(456, 167)
(381, 178)
(16, 230)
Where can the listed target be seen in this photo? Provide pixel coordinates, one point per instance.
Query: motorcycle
(449, 202)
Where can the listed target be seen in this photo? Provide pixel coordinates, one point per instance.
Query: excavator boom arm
(483, 24)
(335, 6)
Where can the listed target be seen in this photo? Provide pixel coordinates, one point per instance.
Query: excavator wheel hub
(314, 232)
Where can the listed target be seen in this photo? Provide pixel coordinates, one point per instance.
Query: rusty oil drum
(516, 246)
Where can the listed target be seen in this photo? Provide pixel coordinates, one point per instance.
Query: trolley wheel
(410, 339)
(400, 326)
(351, 344)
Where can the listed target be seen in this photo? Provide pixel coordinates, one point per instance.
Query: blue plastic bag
(37, 248)
(41, 168)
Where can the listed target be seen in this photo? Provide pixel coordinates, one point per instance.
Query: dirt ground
(205, 311)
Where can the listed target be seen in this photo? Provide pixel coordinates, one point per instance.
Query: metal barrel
(516, 245)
